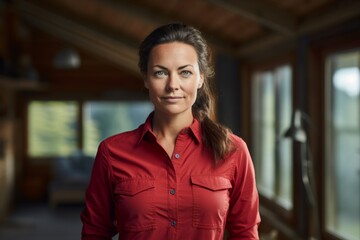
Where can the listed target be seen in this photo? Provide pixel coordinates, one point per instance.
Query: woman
(179, 175)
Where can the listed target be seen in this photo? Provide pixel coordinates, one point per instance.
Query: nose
(172, 83)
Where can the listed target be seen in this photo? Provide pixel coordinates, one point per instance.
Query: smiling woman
(180, 175)
(173, 79)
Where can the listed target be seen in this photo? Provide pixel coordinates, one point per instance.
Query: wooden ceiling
(112, 29)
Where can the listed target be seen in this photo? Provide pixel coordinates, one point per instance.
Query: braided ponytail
(215, 136)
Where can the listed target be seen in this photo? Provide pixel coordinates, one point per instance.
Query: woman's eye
(186, 73)
(159, 73)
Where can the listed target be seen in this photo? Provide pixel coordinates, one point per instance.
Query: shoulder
(124, 138)
(238, 143)
(240, 153)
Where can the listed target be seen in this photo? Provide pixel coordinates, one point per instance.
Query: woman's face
(173, 77)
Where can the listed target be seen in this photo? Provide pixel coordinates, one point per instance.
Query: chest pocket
(134, 205)
(211, 201)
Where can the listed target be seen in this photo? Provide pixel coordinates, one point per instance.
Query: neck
(169, 126)
(167, 129)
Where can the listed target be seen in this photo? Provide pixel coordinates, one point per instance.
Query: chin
(172, 111)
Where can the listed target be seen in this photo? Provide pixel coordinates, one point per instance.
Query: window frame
(325, 45)
(276, 127)
(80, 100)
(328, 97)
(285, 218)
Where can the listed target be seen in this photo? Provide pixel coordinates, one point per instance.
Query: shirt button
(177, 155)
(172, 191)
(173, 223)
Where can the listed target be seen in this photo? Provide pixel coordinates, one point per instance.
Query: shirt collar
(195, 129)
(146, 129)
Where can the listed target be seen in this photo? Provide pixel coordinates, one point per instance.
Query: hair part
(214, 135)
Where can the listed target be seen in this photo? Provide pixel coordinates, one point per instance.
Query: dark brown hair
(215, 136)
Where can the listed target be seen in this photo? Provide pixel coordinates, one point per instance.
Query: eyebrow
(181, 67)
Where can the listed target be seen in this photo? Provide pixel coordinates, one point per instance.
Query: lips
(172, 99)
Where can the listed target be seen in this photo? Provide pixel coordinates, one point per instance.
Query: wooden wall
(33, 49)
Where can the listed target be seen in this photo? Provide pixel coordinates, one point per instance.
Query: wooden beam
(71, 31)
(339, 13)
(310, 25)
(114, 16)
(20, 84)
(260, 45)
(262, 13)
(139, 12)
(115, 51)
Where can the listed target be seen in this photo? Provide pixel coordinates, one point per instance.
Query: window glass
(271, 115)
(103, 119)
(52, 129)
(284, 110)
(264, 146)
(342, 199)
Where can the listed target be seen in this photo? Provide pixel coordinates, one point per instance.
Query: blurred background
(69, 78)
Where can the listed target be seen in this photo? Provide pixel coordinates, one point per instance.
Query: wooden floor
(39, 222)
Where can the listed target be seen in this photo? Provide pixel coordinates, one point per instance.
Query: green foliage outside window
(103, 119)
(52, 128)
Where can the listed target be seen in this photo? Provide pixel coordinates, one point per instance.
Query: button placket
(172, 196)
(180, 144)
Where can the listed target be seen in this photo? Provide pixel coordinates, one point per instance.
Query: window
(103, 119)
(271, 116)
(54, 129)
(342, 161)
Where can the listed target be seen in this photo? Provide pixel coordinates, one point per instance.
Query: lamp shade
(296, 130)
(67, 58)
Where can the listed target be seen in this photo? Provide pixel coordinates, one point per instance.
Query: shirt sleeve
(243, 216)
(98, 216)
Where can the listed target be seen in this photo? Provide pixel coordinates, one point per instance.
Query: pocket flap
(132, 187)
(213, 183)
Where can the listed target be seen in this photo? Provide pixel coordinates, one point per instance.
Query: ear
(146, 84)
(201, 82)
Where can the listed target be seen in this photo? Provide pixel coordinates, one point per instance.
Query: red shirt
(138, 191)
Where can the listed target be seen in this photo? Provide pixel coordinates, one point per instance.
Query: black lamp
(297, 133)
